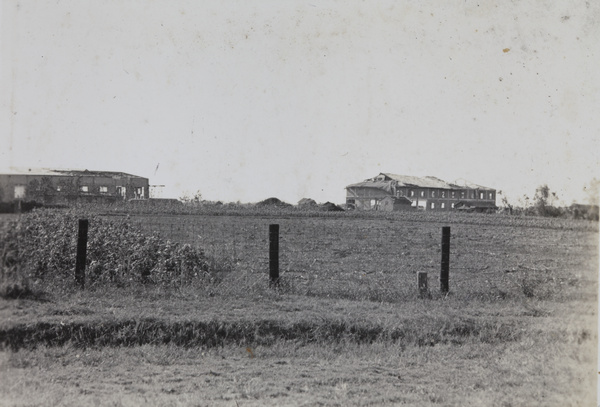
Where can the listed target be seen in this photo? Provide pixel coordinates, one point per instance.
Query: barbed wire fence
(319, 254)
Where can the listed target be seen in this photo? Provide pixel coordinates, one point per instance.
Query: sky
(245, 100)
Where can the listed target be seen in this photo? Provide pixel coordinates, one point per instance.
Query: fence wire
(357, 251)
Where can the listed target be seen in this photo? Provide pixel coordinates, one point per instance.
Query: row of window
(451, 194)
(442, 205)
(85, 188)
(137, 191)
(432, 205)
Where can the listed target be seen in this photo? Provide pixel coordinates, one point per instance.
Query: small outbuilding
(307, 203)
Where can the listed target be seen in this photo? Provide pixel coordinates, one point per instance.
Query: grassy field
(346, 326)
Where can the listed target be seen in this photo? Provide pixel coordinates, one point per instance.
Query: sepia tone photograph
(299, 203)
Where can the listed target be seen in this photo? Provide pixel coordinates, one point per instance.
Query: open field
(377, 257)
(345, 327)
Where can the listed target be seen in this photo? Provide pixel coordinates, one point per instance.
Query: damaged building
(52, 186)
(391, 192)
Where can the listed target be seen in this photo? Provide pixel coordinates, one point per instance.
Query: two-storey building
(400, 192)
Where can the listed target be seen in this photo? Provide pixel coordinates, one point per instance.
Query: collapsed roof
(383, 181)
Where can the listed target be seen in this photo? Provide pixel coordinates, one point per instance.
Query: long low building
(59, 186)
(391, 192)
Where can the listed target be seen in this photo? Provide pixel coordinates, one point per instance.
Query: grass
(377, 258)
(345, 327)
(286, 374)
(82, 324)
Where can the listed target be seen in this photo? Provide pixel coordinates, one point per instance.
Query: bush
(41, 246)
(274, 202)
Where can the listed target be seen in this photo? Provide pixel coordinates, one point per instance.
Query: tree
(506, 205)
(195, 200)
(68, 188)
(42, 190)
(543, 201)
(524, 204)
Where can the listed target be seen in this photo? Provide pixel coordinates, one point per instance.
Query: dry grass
(346, 327)
(377, 258)
(446, 352)
(317, 374)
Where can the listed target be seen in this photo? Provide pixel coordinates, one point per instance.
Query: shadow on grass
(19, 292)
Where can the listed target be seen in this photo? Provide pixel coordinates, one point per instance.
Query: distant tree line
(544, 204)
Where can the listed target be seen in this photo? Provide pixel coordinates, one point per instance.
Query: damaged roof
(385, 185)
(65, 172)
(416, 182)
(424, 182)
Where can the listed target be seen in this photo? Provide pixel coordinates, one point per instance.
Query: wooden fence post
(445, 269)
(422, 283)
(81, 253)
(274, 254)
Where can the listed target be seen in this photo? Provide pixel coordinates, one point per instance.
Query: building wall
(365, 198)
(430, 199)
(61, 188)
(390, 204)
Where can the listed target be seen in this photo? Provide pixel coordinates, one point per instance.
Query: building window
(452, 205)
(481, 195)
(122, 191)
(491, 195)
(443, 205)
(412, 193)
(19, 191)
(433, 194)
(422, 194)
(453, 194)
(139, 192)
(103, 190)
(84, 188)
(443, 194)
(463, 194)
(58, 188)
(433, 205)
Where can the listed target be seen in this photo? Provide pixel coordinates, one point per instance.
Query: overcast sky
(244, 100)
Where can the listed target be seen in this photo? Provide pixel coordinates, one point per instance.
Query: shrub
(41, 246)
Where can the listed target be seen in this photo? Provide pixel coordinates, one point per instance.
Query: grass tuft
(266, 332)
